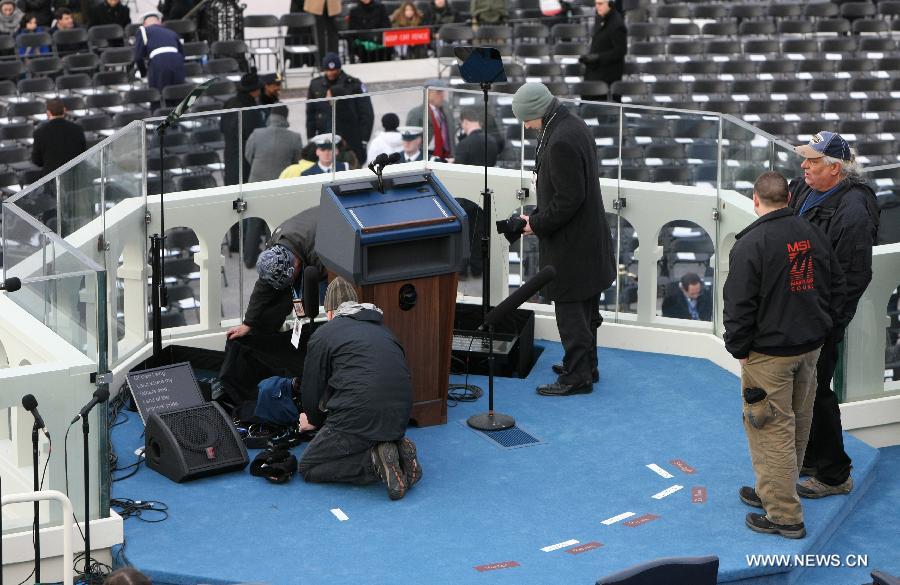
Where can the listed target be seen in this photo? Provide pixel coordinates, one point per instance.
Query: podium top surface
(411, 207)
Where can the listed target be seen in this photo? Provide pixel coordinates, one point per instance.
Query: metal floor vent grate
(508, 439)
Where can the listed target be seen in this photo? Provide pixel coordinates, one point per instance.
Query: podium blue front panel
(414, 228)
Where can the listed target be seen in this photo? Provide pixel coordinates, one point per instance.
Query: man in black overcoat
(605, 60)
(573, 236)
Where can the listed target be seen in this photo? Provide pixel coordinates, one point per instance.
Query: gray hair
(849, 168)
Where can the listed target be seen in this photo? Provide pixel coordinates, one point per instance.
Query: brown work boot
(408, 461)
(386, 461)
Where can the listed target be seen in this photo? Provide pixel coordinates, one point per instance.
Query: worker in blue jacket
(157, 53)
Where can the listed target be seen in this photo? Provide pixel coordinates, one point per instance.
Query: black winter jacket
(268, 307)
(570, 221)
(355, 117)
(785, 288)
(605, 60)
(849, 217)
(356, 370)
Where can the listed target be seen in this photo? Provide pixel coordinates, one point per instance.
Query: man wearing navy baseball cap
(355, 117)
(831, 195)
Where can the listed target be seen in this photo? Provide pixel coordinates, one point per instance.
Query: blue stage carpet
(479, 504)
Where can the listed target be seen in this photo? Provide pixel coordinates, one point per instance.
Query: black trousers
(326, 34)
(578, 322)
(825, 450)
(334, 456)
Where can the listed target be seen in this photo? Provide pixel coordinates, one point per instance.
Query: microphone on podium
(379, 160)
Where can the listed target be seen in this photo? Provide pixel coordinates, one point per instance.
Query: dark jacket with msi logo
(849, 217)
(785, 287)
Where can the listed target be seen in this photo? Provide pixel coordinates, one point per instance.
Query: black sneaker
(408, 461)
(386, 461)
(759, 523)
(749, 496)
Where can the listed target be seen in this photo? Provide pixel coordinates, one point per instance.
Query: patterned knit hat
(339, 291)
(275, 267)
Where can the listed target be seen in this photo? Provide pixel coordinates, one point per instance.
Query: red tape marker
(575, 550)
(684, 467)
(698, 495)
(495, 566)
(641, 520)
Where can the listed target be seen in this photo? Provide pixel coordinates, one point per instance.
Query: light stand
(157, 241)
(37, 506)
(484, 65)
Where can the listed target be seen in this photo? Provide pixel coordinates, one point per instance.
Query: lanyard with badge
(537, 154)
(300, 318)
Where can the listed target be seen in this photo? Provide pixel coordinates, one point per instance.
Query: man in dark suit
(692, 300)
(605, 60)
(574, 238)
(57, 141)
(470, 150)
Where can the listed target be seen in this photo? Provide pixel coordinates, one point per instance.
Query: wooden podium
(402, 249)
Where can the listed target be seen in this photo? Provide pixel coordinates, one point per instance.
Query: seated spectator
(412, 143)
(439, 12)
(357, 390)
(110, 12)
(346, 155)
(29, 25)
(368, 15)
(127, 576)
(65, 20)
(407, 15)
(388, 141)
(10, 17)
(40, 9)
(307, 159)
(692, 300)
(324, 155)
(471, 148)
(489, 11)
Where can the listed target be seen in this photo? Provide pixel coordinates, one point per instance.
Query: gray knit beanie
(339, 291)
(531, 101)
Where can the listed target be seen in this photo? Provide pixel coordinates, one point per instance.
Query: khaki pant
(777, 428)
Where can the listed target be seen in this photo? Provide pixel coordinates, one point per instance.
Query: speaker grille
(199, 429)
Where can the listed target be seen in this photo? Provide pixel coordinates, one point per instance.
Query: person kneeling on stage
(357, 390)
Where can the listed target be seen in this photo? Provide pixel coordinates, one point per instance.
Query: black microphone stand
(85, 431)
(157, 241)
(490, 420)
(37, 506)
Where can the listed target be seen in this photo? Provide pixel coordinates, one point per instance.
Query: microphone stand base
(488, 421)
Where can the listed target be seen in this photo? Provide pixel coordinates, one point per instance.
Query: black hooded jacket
(268, 306)
(356, 375)
(849, 217)
(785, 288)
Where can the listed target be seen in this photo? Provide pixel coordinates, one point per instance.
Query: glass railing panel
(746, 154)
(886, 183)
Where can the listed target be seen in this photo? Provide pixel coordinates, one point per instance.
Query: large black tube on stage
(490, 420)
(528, 289)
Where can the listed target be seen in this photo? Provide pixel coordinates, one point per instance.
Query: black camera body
(511, 228)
